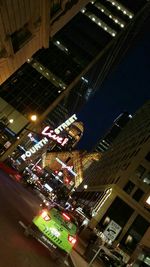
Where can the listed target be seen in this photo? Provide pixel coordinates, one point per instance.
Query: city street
(16, 250)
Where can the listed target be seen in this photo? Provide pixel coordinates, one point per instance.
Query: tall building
(119, 185)
(77, 47)
(26, 26)
(105, 143)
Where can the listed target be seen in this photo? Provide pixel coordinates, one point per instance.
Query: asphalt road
(16, 250)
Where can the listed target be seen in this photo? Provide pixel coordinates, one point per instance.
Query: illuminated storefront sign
(34, 148)
(51, 134)
(64, 166)
(66, 124)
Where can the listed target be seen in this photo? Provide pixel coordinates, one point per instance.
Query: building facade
(105, 143)
(26, 26)
(119, 184)
(72, 51)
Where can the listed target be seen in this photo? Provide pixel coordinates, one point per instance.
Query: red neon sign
(51, 134)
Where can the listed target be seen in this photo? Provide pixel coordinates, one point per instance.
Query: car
(78, 212)
(111, 257)
(55, 229)
(14, 174)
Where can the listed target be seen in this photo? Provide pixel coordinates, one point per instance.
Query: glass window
(148, 156)
(119, 211)
(20, 37)
(55, 7)
(134, 234)
(129, 187)
(138, 194)
(146, 178)
(140, 171)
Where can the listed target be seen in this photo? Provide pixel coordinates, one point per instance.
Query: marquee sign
(64, 166)
(34, 148)
(66, 124)
(51, 134)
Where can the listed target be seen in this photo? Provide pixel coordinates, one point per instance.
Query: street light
(11, 121)
(33, 117)
(85, 186)
(22, 134)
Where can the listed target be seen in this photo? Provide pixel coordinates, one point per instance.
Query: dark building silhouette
(119, 123)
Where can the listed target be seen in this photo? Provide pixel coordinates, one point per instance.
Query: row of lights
(120, 7)
(109, 14)
(99, 22)
(61, 46)
(103, 200)
(64, 49)
(47, 74)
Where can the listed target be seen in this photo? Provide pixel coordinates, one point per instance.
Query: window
(129, 187)
(134, 234)
(140, 171)
(146, 178)
(55, 7)
(20, 37)
(138, 194)
(119, 211)
(148, 156)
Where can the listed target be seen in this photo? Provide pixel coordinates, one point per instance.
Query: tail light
(72, 239)
(66, 216)
(18, 177)
(45, 216)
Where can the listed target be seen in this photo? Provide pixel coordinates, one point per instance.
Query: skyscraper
(26, 26)
(107, 140)
(118, 184)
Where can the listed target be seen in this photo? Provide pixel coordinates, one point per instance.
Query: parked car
(14, 174)
(111, 257)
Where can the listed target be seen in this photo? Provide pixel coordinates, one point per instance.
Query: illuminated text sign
(34, 148)
(51, 134)
(64, 166)
(66, 124)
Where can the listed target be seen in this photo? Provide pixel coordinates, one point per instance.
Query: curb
(71, 261)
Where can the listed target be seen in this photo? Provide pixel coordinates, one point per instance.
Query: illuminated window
(146, 178)
(148, 200)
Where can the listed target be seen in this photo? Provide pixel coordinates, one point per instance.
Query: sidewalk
(77, 256)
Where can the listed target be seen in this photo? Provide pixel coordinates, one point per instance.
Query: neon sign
(51, 134)
(34, 148)
(64, 166)
(65, 124)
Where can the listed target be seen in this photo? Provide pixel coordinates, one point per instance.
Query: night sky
(126, 89)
